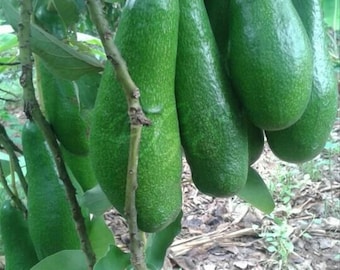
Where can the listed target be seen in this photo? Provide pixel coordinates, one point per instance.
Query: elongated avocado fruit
(61, 107)
(147, 39)
(212, 126)
(218, 17)
(81, 168)
(18, 247)
(307, 137)
(49, 214)
(270, 61)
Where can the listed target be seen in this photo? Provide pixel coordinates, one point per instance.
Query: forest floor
(303, 231)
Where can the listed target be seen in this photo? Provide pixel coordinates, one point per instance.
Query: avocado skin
(212, 125)
(218, 13)
(307, 137)
(18, 247)
(61, 108)
(270, 61)
(147, 39)
(50, 221)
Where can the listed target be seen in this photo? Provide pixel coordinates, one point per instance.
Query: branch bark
(32, 111)
(10, 193)
(10, 148)
(137, 121)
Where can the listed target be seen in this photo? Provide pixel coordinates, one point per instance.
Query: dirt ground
(303, 232)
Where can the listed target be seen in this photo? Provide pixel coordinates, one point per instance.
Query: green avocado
(18, 246)
(307, 137)
(147, 39)
(50, 221)
(212, 125)
(270, 61)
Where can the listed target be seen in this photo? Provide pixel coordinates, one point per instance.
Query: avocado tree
(107, 118)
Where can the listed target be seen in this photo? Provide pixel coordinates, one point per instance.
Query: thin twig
(136, 241)
(32, 110)
(221, 236)
(9, 93)
(10, 148)
(9, 141)
(10, 64)
(136, 114)
(137, 121)
(10, 193)
(8, 99)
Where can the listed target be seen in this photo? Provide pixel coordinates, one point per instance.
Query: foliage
(278, 240)
(332, 13)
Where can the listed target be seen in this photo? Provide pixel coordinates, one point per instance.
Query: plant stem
(137, 121)
(32, 110)
(10, 193)
(10, 148)
(136, 242)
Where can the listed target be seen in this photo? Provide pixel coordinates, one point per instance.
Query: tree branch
(32, 110)
(5, 137)
(9, 93)
(10, 64)
(10, 148)
(10, 193)
(8, 99)
(137, 121)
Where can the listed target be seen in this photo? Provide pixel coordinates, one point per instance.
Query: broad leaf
(101, 236)
(159, 242)
(115, 259)
(95, 200)
(65, 260)
(256, 192)
(60, 58)
(68, 11)
(87, 87)
(331, 12)
(7, 41)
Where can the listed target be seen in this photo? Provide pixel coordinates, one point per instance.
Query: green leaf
(8, 59)
(256, 192)
(159, 242)
(87, 87)
(68, 11)
(101, 236)
(115, 259)
(5, 163)
(95, 200)
(331, 11)
(8, 41)
(61, 59)
(65, 260)
(271, 249)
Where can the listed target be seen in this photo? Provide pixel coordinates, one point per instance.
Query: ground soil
(230, 234)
